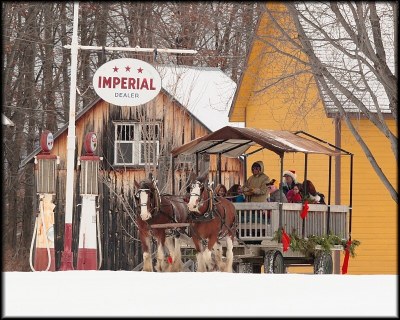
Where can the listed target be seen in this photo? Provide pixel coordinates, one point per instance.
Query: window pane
(124, 152)
(149, 132)
(149, 150)
(125, 132)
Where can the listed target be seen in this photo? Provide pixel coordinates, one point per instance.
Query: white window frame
(136, 142)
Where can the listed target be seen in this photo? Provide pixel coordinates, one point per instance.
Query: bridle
(202, 201)
(152, 194)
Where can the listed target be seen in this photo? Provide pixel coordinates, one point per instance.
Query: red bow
(169, 259)
(304, 212)
(346, 257)
(285, 240)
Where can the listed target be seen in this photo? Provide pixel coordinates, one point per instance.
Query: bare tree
(350, 50)
(36, 67)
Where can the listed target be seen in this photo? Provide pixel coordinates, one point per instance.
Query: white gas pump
(89, 190)
(45, 175)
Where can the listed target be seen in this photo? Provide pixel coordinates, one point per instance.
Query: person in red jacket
(294, 195)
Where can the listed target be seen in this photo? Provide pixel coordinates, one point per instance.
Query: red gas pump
(45, 175)
(87, 250)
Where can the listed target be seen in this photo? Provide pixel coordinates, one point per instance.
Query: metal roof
(235, 141)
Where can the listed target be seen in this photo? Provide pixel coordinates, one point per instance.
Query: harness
(211, 212)
(156, 209)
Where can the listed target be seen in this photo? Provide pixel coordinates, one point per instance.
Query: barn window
(136, 143)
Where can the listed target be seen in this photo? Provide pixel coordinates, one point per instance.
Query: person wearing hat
(255, 188)
(274, 193)
(289, 181)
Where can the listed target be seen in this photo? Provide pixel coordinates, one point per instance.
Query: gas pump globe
(90, 144)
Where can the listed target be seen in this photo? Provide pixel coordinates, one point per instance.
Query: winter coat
(255, 187)
(319, 198)
(286, 188)
(274, 197)
(293, 197)
(239, 198)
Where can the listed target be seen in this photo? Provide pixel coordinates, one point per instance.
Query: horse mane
(146, 184)
(202, 179)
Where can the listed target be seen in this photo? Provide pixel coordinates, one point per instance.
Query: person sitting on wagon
(289, 180)
(235, 193)
(294, 195)
(273, 193)
(220, 190)
(255, 188)
(312, 196)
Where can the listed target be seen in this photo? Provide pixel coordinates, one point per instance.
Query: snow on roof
(206, 92)
(344, 64)
(6, 121)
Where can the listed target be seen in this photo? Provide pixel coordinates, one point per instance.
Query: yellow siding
(295, 105)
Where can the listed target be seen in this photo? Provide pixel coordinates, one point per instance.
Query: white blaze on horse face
(194, 198)
(144, 213)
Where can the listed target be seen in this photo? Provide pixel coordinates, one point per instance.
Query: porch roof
(235, 141)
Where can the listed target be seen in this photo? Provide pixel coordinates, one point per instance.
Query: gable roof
(329, 56)
(205, 92)
(235, 141)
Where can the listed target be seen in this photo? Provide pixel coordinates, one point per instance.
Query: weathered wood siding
(121, 249)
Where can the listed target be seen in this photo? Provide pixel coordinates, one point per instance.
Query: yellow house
(267, 97)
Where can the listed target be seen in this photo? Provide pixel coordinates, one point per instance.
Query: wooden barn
(299, 103)
(135, 141)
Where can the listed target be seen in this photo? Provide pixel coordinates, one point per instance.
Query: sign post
(66, 257)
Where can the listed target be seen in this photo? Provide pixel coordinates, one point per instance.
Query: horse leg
(177, 264)
(207, 253)
(147, 261)
(174, 248)
(229, 254)
(161, 264)
(201, 265)
(218, 256)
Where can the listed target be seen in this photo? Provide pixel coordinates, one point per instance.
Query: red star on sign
(127, 68)
(140, 70)
(115, 69)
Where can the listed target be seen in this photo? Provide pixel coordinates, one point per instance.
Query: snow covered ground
(130, 293)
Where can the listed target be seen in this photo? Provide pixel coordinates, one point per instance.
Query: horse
(211, 220)
(159, 209)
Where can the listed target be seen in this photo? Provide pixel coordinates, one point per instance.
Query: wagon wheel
(323, 263)
(273, 262)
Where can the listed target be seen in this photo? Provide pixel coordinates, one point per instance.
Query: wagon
(258, 224)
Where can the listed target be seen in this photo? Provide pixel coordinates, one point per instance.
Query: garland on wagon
(308, 246)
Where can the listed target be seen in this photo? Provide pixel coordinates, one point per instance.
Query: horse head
(147, 198)
(198, 196)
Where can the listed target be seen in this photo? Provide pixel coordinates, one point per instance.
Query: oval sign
(127, 82)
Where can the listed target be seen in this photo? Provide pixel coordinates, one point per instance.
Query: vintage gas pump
(89, 190)
(45, 175)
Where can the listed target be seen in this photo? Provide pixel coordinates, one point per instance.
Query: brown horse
(212, 219)
(152, 208)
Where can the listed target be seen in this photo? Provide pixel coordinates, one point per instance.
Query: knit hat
(290, 173)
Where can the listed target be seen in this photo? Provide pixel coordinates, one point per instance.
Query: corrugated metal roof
(235, 141)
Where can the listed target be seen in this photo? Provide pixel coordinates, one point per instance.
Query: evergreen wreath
(308, 246)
